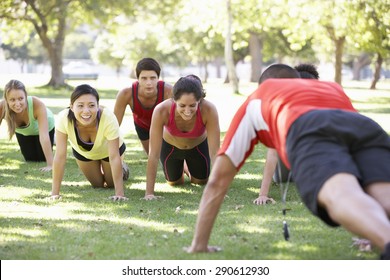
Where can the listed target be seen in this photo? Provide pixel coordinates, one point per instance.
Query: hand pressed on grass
(55, 197)
(118, 198)
(151, 197)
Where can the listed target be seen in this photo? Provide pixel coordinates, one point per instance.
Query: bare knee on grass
(92, 171)
(177, 182)
(198, 181)
(107, 174)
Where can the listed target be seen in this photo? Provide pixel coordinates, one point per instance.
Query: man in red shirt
(142, 97)
(340, 159)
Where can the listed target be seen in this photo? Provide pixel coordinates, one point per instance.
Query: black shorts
(31, 148)
(323, 143)
(122, 149)
(143, 134)
(197, 159)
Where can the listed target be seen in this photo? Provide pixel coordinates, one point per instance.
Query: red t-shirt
(268, 113)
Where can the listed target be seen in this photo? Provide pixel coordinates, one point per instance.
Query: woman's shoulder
(207, 106)
(162, 110)
(36, 101)
(165, 105)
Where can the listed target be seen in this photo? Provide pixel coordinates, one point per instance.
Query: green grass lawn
(85, 225)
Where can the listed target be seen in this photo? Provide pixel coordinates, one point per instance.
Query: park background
(228, 44)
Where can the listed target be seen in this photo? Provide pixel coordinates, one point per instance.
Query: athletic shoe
(126, 171)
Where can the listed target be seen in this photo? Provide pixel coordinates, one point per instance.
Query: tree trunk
(256, 53)
(57, 76)
(54, 48)
(358, 63)
(339, 43)
(229, 60)
(377, 73)
(206, 71)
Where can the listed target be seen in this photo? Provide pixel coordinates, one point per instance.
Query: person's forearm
(151, 174)
(213, 154)
(208, 209)
(117, 175)
(269, 170)
(58, 174)
(47, 150)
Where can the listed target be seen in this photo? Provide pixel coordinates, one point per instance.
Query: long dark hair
(79, 91)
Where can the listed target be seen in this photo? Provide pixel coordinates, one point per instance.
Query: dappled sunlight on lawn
(256, 228)
(248, 176)
(161, 188)
(154, 225)
(16, 209)
(22, 234)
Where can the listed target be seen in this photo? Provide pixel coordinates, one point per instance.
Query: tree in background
(78, 44)
(229, 59)
(194, 32)
(49, 19)
(54, 19)
(369, 24)
(30, 51)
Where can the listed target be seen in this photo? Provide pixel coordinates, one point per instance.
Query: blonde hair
(7, 113)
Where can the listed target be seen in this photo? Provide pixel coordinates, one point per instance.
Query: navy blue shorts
(323, 143)
(143, 134)
(197, 159)
(122, 149)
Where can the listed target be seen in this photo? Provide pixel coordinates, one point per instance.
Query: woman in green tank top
(30, 121)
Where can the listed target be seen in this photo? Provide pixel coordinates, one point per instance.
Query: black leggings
(31, 147)
(197, 159)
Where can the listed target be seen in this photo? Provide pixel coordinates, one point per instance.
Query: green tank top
(32, 128)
